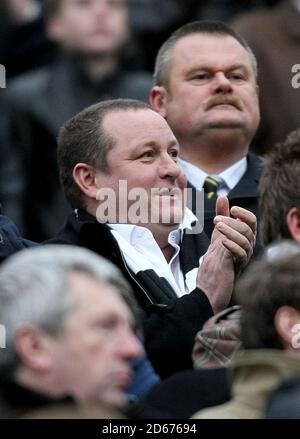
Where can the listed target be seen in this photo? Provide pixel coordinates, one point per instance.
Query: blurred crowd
(143, 318)
(54, 62)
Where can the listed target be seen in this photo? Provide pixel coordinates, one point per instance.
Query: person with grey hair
(70, 327)
(205, 86)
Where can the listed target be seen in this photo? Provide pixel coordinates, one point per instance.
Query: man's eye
(236, 76)
(201, 76)
(174, 154)
(107, 324)
(83, 3)
(147, 154)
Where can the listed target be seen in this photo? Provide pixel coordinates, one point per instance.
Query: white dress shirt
(141, 252)
(230, 177)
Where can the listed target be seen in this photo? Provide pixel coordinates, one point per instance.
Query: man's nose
(169, 167)
(131, 346)
(221, 83)
(101, 7)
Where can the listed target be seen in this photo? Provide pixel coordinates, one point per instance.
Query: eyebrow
(206, 67)
(154, 144)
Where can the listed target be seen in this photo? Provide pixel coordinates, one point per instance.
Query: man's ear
(285, 321)
(293, 223)
(85, 177)
(158, 98)
(33, 347)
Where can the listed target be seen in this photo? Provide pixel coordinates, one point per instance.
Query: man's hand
(230, 250)
(238, 231)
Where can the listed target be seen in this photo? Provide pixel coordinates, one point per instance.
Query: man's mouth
(169, 192)
(224, 102)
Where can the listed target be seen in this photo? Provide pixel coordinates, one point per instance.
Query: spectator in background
(279, 191)
(69, 320)
(93, 36)
(154, 20)
(206, 89)
(23, 42)
(274, 35)
(269, 293)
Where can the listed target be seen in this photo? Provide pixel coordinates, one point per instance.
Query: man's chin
(115, 398)
(226, 124)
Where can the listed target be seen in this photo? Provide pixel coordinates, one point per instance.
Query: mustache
(224, 99)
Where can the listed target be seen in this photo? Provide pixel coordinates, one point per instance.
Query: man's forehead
(90, 292)
(135, 123)
(202, 47)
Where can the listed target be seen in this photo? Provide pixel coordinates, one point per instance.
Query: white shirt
(141, 252)
(230, 177)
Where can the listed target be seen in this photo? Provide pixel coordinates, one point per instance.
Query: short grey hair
(35, 285)
(214, 28)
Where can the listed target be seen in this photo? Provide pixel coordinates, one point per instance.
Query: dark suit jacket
(170, 323)
(244, 194)
(10, 239)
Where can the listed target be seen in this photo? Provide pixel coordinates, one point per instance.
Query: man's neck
(37, 383)
(160, 233)
(97, 67)
(213, 155)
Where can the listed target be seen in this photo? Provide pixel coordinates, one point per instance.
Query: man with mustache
(206, 89)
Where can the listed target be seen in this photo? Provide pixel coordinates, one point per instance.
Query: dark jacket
(10, 239)
(184, 393)
(284, 403)
(170, 323)
(18, 401)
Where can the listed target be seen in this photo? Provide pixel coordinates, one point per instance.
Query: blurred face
(91, 26)
(92, 355)
(212, 88)
(145, 156)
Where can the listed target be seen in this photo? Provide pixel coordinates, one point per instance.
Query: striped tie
(210, 187)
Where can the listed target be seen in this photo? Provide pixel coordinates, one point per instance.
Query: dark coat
(10, 239)
(170, 323)
(284, 403)
(17, 401)
(187, 392)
